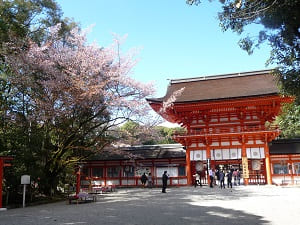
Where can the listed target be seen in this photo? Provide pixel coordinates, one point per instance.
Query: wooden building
(124, 166)
(227, 120)
(285, 161)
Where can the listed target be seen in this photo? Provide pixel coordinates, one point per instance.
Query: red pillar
(268, 164)
(208, 157)
(188, 166)
(1, 178)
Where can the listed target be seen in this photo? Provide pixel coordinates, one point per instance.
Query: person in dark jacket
(222, 177)
(229, 178)
(144, 179)
(164, 182)
(217, 180)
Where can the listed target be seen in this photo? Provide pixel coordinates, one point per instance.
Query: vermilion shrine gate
(227, 120)
(3, 163)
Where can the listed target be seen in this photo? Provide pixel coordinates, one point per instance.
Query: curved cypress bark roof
(227, 86)
(162, 151)
(285, 146)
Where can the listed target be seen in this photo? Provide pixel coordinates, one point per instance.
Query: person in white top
(197, 179)
(150, 182)
(211, 177)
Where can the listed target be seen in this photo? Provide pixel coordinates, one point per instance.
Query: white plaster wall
(235, 143)
(215, 144)
(223, 119)
(225, 143)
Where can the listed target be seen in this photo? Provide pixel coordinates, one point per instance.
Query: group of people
(218, 177)
(221, 175)
(148, 180)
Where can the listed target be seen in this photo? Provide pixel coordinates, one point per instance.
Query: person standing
(222, 177)
(144, 179)
(211, 177)
(234, 177)
(164, 182)
(229, 178)
(217, 177)
(197, 179)
(150, 181)
(238, 177)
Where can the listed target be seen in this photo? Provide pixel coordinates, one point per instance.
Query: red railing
(224, 130)
(87, 184)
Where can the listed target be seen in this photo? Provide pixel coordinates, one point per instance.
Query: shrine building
(124, 166)
(228, 121)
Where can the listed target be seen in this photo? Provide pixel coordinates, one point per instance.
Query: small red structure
(285, 161)
(78, 174)
(227, 119)
(3, 163)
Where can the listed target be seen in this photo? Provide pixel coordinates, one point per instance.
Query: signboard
(199, 166)
(127, 169)
(208, 163)
(171, 171)
(25, 179)
(139, 171)
(256, 165)
(245, 167)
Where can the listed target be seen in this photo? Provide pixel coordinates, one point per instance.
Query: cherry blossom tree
(73, 92)
(169, 103)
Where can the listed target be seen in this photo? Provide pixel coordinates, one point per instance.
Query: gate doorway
(257, 173)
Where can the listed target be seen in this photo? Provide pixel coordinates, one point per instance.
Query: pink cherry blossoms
(170, 101)
(72, 73)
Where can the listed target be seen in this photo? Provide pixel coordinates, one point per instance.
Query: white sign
(256, 165)
(245, 167)
(25, 179)
(199, 166)
(171, 171)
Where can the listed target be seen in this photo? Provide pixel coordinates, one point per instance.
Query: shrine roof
(162, 151)
(226, 86)
(285, 146)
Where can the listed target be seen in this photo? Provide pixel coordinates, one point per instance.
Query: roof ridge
(220, 76)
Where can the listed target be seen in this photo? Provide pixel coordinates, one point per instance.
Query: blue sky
(176, 40)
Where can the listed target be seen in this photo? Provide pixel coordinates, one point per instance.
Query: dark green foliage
(27, 142)
(132, 133)
(280, 20)
(289, 121)
(166, 134)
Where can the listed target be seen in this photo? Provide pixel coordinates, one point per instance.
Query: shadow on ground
(141, 207)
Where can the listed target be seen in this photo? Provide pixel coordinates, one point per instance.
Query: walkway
(187, 205)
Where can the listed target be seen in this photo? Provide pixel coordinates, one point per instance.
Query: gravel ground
(247, 205)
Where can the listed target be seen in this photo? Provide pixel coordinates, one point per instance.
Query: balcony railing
(225, 130)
